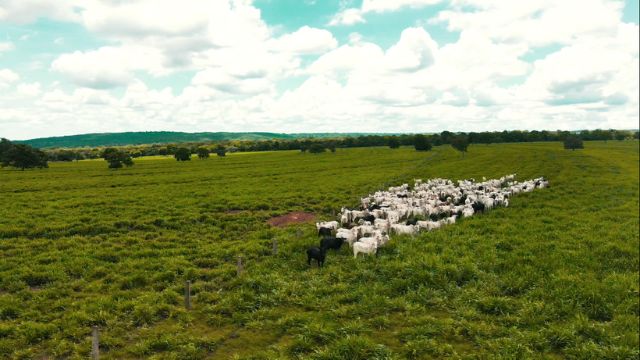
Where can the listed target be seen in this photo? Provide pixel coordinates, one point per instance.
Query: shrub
(421, 143)
(460, 143)
(116, 158)
(183, 154)
(316, 149)
(573, 142)
(203, 152)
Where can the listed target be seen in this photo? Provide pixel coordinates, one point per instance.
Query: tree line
(319, 145)
(24, 156)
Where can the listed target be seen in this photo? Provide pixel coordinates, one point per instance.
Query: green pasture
(555, 275)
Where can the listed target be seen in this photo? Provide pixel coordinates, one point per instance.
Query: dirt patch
(297, 217)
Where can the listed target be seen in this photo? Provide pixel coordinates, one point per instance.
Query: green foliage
(460, 143)
(182, 154)
(203, 152)
(555, 275)
(394, 143)
(316, 149)
(117, 158)
(573, 142)
(221, 150)
(421, 143)
(21, 156)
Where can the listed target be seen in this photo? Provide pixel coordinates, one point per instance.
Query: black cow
(331, 243)
(317, 254)
(323, 231)
(478, 207)
(370, 218)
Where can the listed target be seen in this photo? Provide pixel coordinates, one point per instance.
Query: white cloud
(27, 11)
(244, 72)
(413, 52)
(108, 66)
(29, 89)
(351, 16)
(7, 77)
(6, 46)
(306, 40)
(146, 18)
(393, 5)
(347, 17)
(536, 23)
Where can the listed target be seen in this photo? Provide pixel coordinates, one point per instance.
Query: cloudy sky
(82, 66)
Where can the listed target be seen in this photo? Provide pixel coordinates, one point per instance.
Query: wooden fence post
(187, 295)
(275, 246)
(95, 343)
(240, 266)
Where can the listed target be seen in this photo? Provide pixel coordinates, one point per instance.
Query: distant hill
(163, 137)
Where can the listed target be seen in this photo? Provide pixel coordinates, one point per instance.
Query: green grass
(555, 275)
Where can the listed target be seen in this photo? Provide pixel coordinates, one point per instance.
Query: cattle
(318, 254)
(324, 231)
(364, 248)
(331, 243)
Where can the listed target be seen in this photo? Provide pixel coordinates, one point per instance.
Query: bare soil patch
(296, 217)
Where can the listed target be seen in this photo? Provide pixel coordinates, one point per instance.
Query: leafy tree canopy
(21, 156)
(421, 143)
(460, 143)
(182, 154)
(116, 158)
(573, 142)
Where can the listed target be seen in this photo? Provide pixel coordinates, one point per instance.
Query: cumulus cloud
(7, 77)
(351, 16)
(413, 52)
(347, 17)
(6, 46)
(26, 11)
(108, 67)
(29, 89)
(248, 75)
(306, 40)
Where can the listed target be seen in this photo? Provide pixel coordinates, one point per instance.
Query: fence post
(275, 246)
(240, 266)
(187, 295)
(95, 343)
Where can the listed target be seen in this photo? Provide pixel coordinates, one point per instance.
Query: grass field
(555, 275)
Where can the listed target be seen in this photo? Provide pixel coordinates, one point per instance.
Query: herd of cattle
(403, 210)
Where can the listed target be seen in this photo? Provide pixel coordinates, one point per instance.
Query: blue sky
(82, 66)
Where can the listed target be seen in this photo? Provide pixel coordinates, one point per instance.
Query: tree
(394, 143)
(421, 143)
(316, 148)
(116, 158)
(182, 154)
(221, 151)
(5, 146)
(460, 143)
(21, 156)
(203, 152)
(573, 142)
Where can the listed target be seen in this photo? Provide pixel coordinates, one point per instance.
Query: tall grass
(553, 275)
